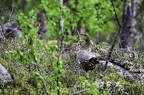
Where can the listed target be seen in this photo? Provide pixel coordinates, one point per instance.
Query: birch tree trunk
(60, 40)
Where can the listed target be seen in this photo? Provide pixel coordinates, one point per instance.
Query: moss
(25, 83)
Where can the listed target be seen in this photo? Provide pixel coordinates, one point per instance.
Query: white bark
(60, 42)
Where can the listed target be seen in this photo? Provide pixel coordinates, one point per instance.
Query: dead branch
(116, 36)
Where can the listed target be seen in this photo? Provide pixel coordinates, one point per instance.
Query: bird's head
(87, 39)
(87, 42)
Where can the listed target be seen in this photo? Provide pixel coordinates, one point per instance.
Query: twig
(116, 36)
(40, 71)
(10, 14)
(3, 31)
(77, 82)
(45, 90)
(77, 93)
(79, 39)
(115, 13)
(58, 71)
(75, 86)
(78, 35)
(111, 49)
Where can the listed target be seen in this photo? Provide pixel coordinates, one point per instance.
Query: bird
(85, 57)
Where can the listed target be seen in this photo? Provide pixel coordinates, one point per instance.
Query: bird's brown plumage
(85, 57)
(87, 42)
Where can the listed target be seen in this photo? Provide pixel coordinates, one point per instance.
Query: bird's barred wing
(84, 55)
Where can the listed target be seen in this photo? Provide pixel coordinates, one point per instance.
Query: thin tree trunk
(60, 41)
(128, 29)
(23, 4)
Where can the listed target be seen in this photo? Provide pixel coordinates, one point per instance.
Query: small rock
(5, 76)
